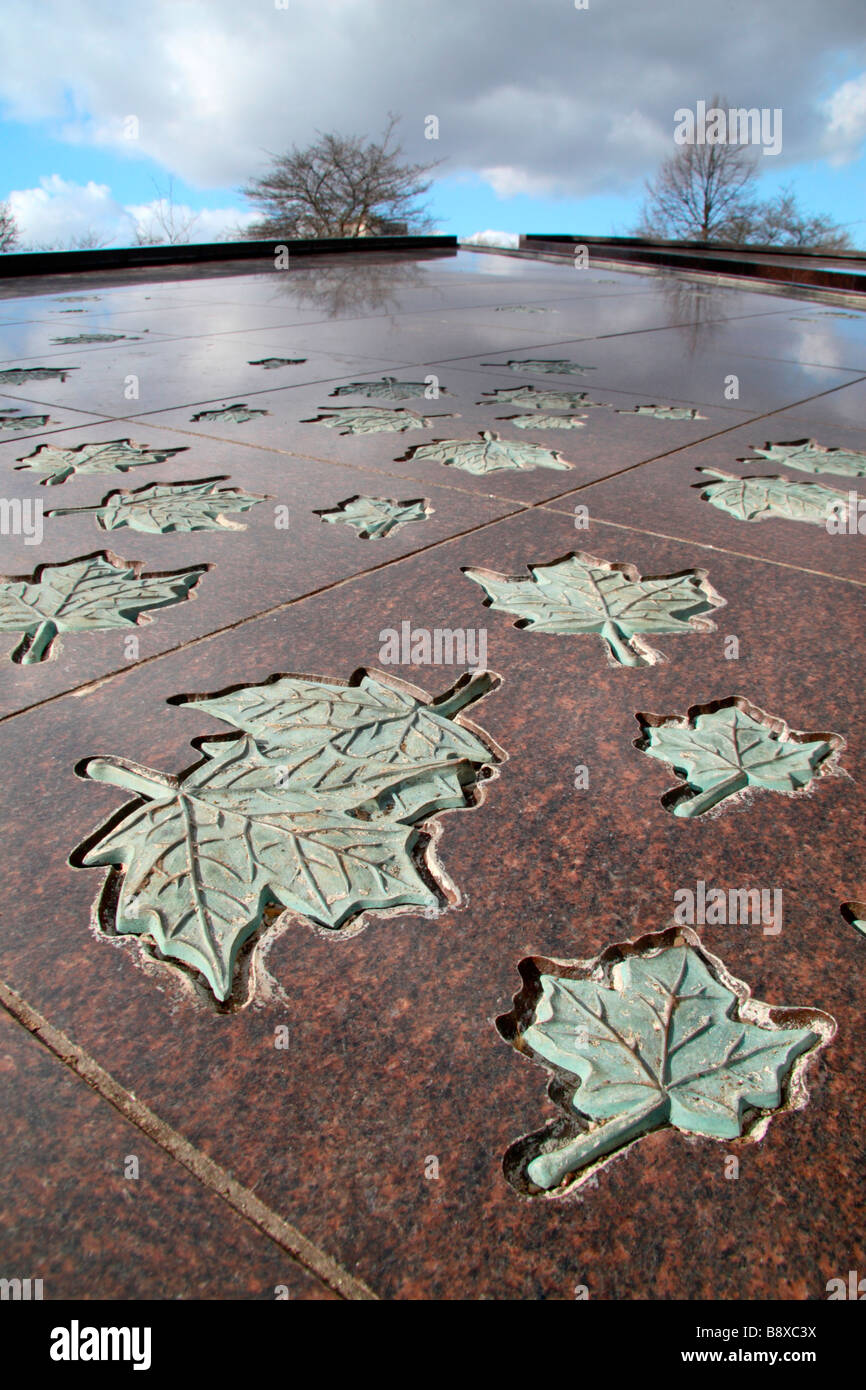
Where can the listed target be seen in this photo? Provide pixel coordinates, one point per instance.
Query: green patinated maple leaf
(545, 422)
(582, 594)
(490, 455)
(313, 808)
(376, 517)
(236, 414)
(771, 498)
(12, 420)
(389, 389)
(371, 419)
(664, 412)
(723, 751)
(535, 366)
(270, 364)
(540, 398)
(94, 593)
(94, 338)
(13, 376)
(811, 457)
(115, 456)
(650, 1041)
(523, 309)
(162, 507)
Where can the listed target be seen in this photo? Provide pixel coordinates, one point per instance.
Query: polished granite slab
(379, 1129)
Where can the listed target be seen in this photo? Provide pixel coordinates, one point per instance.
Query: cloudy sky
(550, 117)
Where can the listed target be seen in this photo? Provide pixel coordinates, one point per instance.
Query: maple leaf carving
(539, 398)
(582, 594)
(389, 389)
(371, 419)
(13, 376)
(809, 456)
(271, 364)
(535, 366)
(664, 412)
(162, 507)
(490, 455)
(656, 1035)
(727, 748)
(11, 420)
(236, 414)
(545, 422)
(766, 499)
(376, 517)
(93, 338)
(312, 805)
(114, 456)
(93, 593)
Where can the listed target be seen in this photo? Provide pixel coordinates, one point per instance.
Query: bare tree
(703, 193)
(340, 186)
(167, 223)
(699, 193)
(9, 235)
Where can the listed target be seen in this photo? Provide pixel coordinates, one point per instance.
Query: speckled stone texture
(393, 1056)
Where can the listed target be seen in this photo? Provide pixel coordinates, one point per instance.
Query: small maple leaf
(729, 747)
(582, 594)
(545, 422)
(557, 366)
(491, 455)
(771, 498)
(162, 507)
(376, 517)
(93, 593)
(12, 420)
(236, 414)
(93, 338)
(114, 456)
(664, 412)
(312, 806)
(523, 309)
(371, 419)
(270, 364)
(389, 388)
(650, 1036)
(13, 376)
(540, 398)
(811, 457)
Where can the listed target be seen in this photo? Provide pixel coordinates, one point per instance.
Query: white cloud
(846, 113)
(510, 240)
(507, 181)
(60, 213)
(587, 107)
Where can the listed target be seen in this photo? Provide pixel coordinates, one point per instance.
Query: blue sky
(550, 120)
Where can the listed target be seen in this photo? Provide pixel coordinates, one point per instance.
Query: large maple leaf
(535, 366)
(730, 747)
(488, 454)
(811, 457)
(162, 507)
(271, 364)
(769, 498)
(13, 376)
(582, 594)
(372, 419)
(655, 1039)
(389, 389)
(236, 414)
(114, 456)
(94, 593)
(545, 422)
(13, 420)
(374, 518)
(541, 398)
(313, 807)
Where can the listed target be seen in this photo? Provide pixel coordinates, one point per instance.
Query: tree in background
(9, 236)
(703, 193)
(340, 186)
